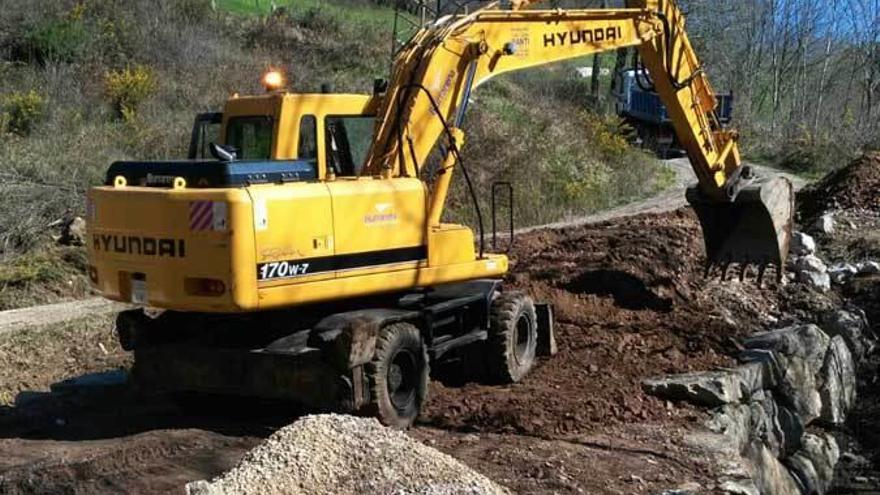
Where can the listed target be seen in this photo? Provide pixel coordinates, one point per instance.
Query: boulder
(812, 271)
(841, 273)
(818, 281)
(739, 487)
(813, 465)
(734, 421)
(810, 263)
(776, 426)
(754, 376)
(766, 359)
(800, 353)
(838, 392)
(769, 474)
(869, 268)
(825, 224)
(852, 325)
(73, 232)
(710, 388)
(802, 244)
(808, 341)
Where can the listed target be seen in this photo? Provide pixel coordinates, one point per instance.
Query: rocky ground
(632, 304)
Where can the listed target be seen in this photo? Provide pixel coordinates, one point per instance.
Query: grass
(48, 274)
(349, 12)
(34, 359)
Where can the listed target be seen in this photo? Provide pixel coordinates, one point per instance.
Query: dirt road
(671, 199)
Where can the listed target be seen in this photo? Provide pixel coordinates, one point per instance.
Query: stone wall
(771, 415)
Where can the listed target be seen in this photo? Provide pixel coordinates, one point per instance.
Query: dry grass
(34, 359)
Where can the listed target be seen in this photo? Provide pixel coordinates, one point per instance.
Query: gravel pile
(339, 454)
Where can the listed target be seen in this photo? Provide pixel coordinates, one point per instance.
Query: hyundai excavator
(306, 258)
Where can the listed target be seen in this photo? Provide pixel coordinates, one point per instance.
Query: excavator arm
(745, 219)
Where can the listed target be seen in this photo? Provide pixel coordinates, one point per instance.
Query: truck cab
(642, 108)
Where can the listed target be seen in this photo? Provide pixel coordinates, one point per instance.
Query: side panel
(382, 217)
(293, 231)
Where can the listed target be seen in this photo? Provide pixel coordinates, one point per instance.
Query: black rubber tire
(513, 337)
(398, 376)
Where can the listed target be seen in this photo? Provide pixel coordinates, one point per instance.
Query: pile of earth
(853, 187)
(631, 302)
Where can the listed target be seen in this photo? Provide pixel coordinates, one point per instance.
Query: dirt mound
(630, 303)
(346, 455)
(855, 186)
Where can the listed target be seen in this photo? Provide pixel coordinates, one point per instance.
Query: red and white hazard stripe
(201, 215)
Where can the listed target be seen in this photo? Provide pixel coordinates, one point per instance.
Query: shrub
(193, 10)
(128, 88)
(22, 111)
(55, 40)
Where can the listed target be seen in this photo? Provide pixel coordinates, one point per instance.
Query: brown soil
(855, 186)
(630, 302)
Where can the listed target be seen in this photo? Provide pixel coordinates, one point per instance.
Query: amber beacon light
(273, 80)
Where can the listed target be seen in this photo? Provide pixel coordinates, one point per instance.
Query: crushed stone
(332, 453)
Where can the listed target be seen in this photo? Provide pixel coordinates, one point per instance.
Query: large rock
(841, 273)
(810, 263)
(818, 281)
(812, 271)
(734, 421)
(825, 224)
(869, 268)
(802, 244)
(852, 325)
(838, 392)
(808, 341)
(813, 465)
(710, 388)
(770, 475)
(73, 232)
(800, 353)
(776, 426)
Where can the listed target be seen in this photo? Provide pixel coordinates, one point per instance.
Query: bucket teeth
(755, 229)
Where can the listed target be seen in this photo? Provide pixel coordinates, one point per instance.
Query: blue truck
(644, 111)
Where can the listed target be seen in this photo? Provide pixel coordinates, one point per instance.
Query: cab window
(348, 142)
(251, 137)
(307, 149)
(206, 130)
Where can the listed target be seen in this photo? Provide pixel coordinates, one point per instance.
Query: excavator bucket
(755, 229)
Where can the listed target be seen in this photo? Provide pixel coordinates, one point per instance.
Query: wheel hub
(401, 379)
(523, 329)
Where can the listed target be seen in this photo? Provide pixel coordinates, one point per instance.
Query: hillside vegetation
(85, 83)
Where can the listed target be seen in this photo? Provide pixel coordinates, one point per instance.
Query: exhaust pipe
(753, 229)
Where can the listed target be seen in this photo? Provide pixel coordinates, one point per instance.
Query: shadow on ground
(628, 291)
(107, 405)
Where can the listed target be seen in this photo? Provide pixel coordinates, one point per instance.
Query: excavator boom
(745, 219)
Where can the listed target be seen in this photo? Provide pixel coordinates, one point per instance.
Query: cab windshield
(251, 137)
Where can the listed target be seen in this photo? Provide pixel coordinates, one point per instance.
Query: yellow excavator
(301, 252)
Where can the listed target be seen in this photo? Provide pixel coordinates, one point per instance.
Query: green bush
(21, 112)
(55, 40)
(811, 155)
(193, 10)
(128, 88)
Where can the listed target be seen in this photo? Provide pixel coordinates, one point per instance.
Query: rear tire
(398, 376)
(513, 337)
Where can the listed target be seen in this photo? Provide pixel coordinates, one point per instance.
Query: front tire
(398, 376)
(513, 337)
